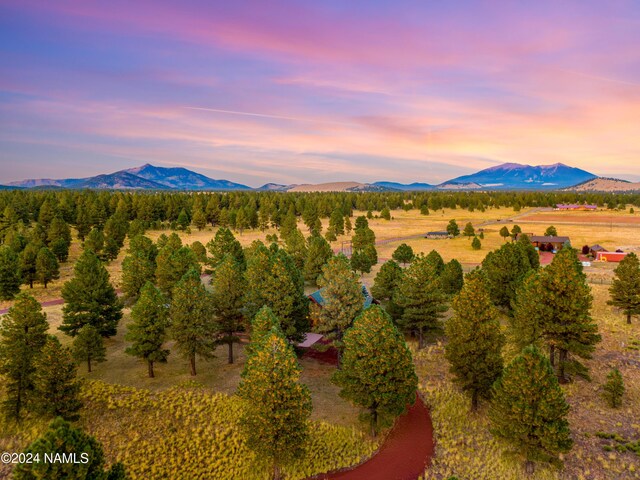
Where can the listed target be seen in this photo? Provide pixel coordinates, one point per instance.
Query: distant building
(595, 249)
(575, 206)
(437, 235)
(547, 242)
(610, 256)
(316, 298)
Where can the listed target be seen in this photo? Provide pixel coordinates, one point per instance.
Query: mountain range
(508, 176)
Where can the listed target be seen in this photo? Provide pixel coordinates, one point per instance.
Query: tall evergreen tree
(532, 254)
(227, 298)
(275, 421)
(27, 264)
(452, 277)
(529, 410)
(23, 333)
(343, 300)
(59, 238)
(57, 390)
(434, 257)
(364, 258)
(297, 247)
(89, 298)
(273, 280)
(225, 243)
(148, 329)
(504, 232)
(95, 242)
(420, 295)
(505, 270)
(263, 322)
(336, 221)
(172, 264)
(475, 341)
(469, 231)
(61, 438)
(452, 228)
(386, 281)
(377, 370)
(531, 314)
(192, 322)
(47, 268)
(403, 254)
(88, 346)
(138, 266)
(613, 390)
(570, 329)
(625, 289)
(318, 254)
(9, 273)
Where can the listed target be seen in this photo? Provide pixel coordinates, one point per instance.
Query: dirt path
(406, 452)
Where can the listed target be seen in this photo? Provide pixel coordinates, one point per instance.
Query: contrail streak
(598, 77)
(277, 117)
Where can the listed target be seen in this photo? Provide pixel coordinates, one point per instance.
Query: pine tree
(475, 341)
(453, 229)
(283, 291)
(347, 225)
(192, 322)
(275, 421)
(59, 238)
(9, 273)
(225, 243)
(551, 231)
(504, 232)
(515, 231)
(343, 300)
(95, 242)
(61, 438)
(529, 410)
(386, 280)
(336, 222)
(263, 322)
(570, 328)
(88, 346)
(364, 258)
(614, 388)
(56, 387)
(83, 223)
(505, 269)
(436, 259)
(227, 298)
(469, 231)
(139, 266)
(625, 289)
(403, 254)
(89, 298)
(530, 313)
(199, 219)
(385, 213)
(377, 369)
(23, 333)
(172, 265)
(27, 263)
(47, 268)
(475, 243)
(148, 328)
(318, 254)
(532, 254)
(420, 295)
(183, 220)
(297, 247)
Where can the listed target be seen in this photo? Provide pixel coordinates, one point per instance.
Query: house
(437, 235)
(594, 249)
(548, 243)
(610, 256)
(575, 206)
(316, 298)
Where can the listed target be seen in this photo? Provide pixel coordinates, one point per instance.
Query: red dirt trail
(405, 454)
(406, 451)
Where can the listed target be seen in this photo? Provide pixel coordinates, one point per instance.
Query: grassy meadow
(118, 392)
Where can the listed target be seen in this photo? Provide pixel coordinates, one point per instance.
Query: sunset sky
(317, 91)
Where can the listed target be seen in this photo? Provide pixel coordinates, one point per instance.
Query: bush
(614, 388)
